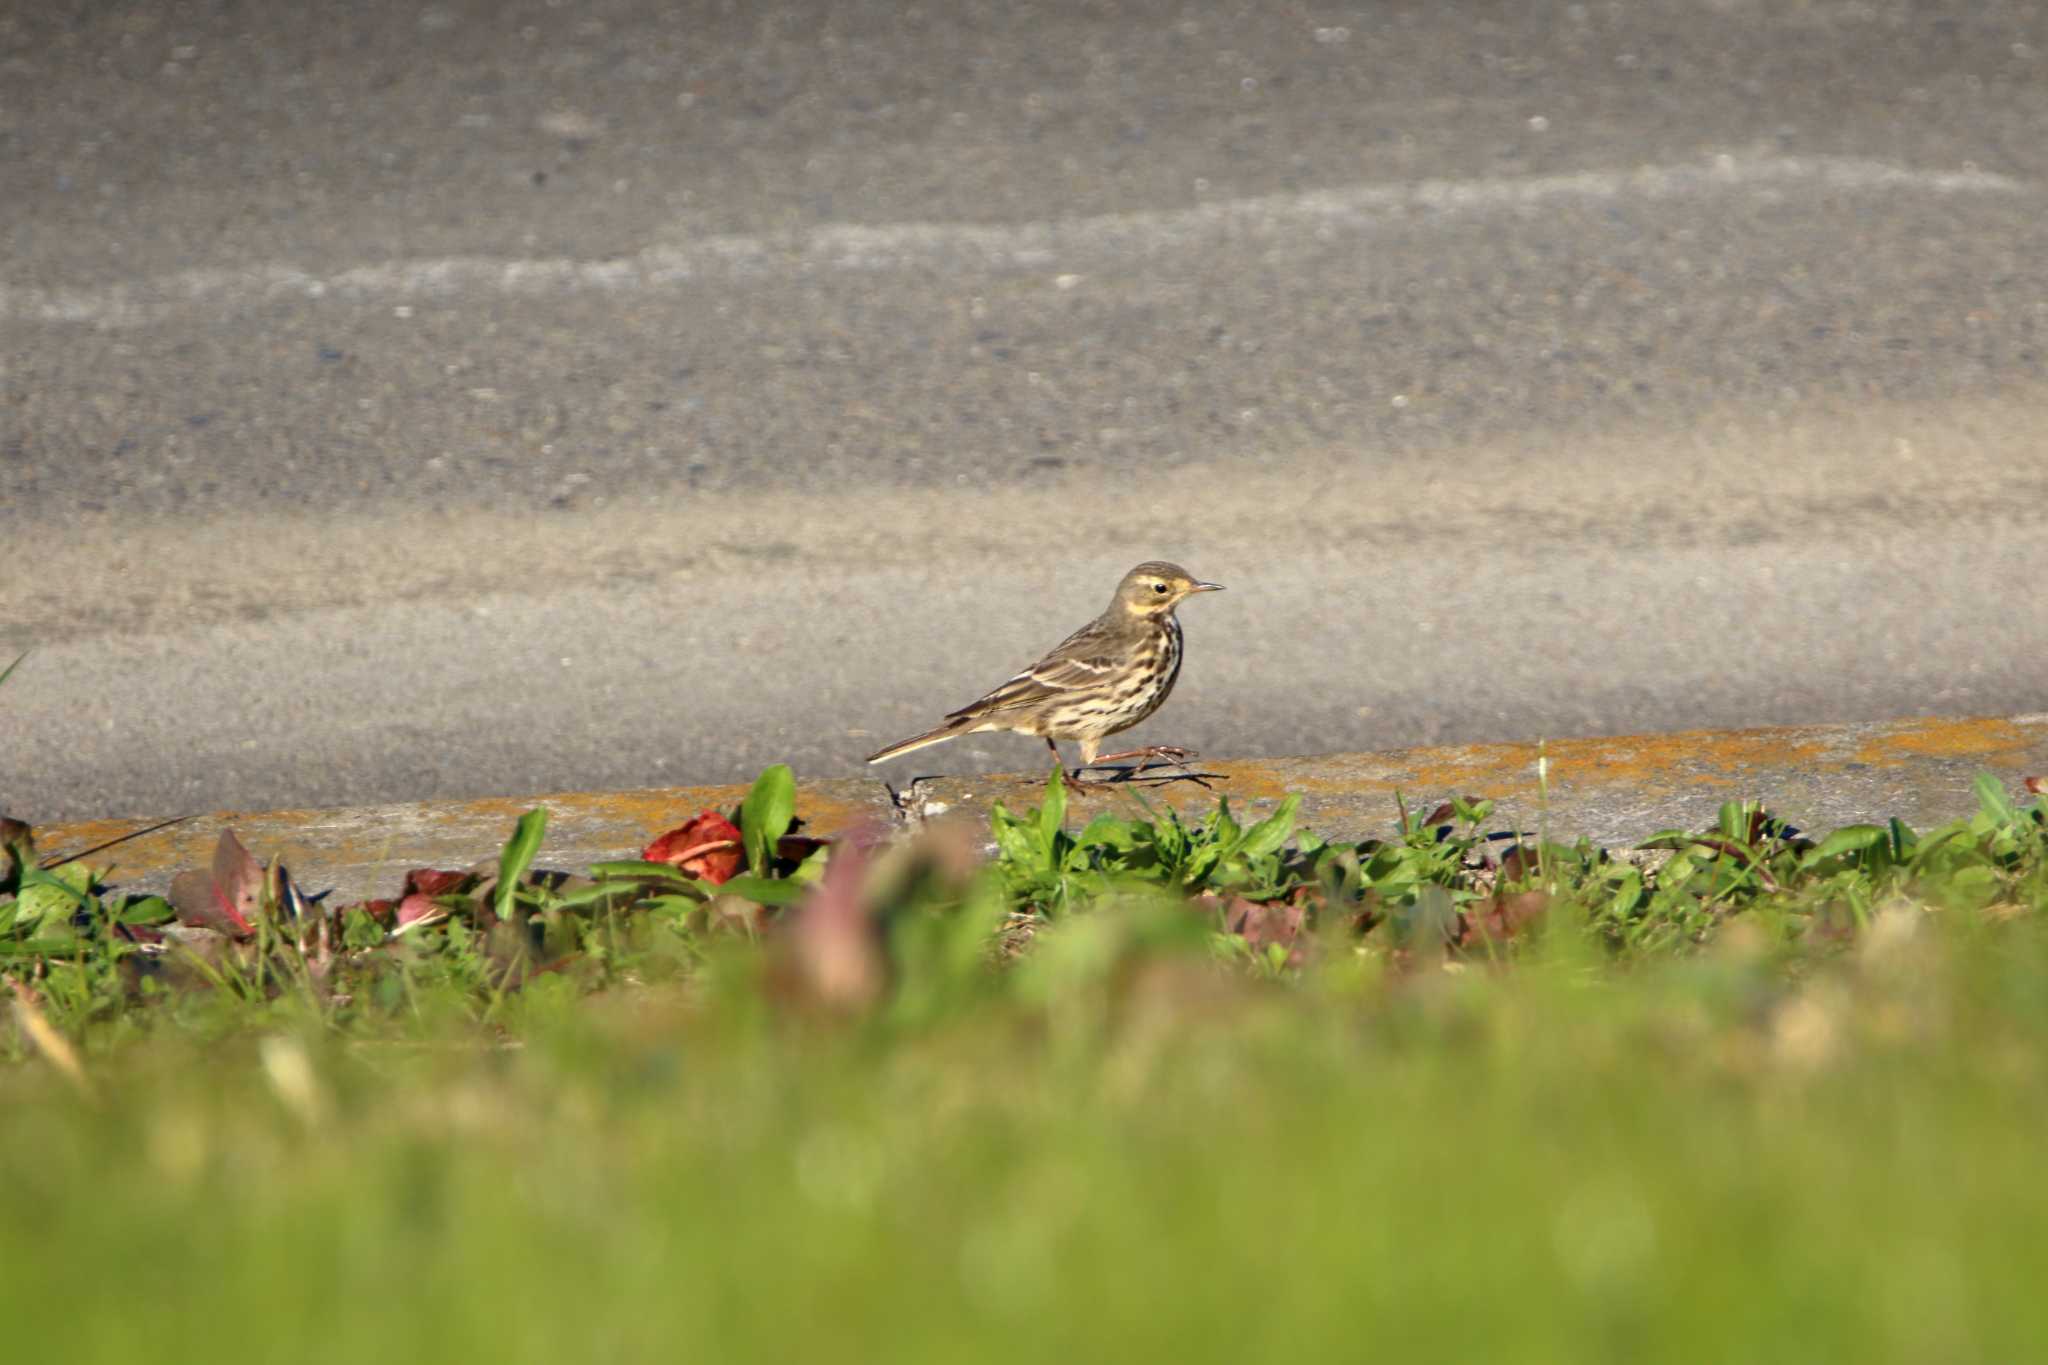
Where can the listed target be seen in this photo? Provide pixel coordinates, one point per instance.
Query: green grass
(1708, 1159)
(1244, 1095)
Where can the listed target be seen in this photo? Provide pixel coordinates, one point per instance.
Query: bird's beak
(1206, 587)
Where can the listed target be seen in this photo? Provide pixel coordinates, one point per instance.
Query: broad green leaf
(43, 912)
(145, 910)
(1848, 839)
(47, 900)
(1053, 813)
(765, 890)
(766, 813)
(1471, 812)
(1993, 800)
(1222, 825)
(517, 857)
(358, 930)
(1271, 833)
(1012, 843)
(1106, 831)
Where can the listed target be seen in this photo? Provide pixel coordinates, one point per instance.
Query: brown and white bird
(1105, 677)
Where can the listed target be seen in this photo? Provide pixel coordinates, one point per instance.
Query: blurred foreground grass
(1751, 1153)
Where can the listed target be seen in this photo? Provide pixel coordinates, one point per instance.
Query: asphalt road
(402, 401)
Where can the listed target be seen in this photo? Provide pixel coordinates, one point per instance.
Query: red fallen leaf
(418, 906)
(1442, 815)
(1260, 923)
(226, 897)
(2037, 785)
(707, 847)
(380, 911)
(1505, 918)
(428, 881)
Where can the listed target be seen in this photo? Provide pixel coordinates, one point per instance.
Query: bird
(1104, 678)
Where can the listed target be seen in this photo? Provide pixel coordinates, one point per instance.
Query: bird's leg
(1169, 753)
(1073, 774)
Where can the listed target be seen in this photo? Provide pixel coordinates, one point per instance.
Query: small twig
(49, 863)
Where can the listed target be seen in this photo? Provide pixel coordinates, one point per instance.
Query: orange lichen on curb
(63, 840)
(1937, 737)
(1647, 767)
(1650, 762)
(1623, 786)
(458, 831)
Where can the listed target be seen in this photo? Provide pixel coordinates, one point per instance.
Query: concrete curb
(1615, 791)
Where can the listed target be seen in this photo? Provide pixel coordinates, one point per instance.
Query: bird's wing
(1084, 659)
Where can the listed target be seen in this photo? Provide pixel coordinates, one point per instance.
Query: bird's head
(1154, 588)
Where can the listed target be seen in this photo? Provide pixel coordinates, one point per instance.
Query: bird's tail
(951, 729)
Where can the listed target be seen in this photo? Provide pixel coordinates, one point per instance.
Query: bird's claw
(1156, 753)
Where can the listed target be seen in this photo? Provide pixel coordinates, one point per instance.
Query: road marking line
(967, 246)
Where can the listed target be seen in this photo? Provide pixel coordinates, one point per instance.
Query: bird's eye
(1159, 587)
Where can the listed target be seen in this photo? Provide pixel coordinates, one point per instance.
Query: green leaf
(1271, 833)
(812, 868)
(1012, 843)
(517, 857)
(358, 930)
(1848, 839)
(1968, 888)
(47, 900)
(637, 869)
(766, 890)
(1222, 825)
(766, 813)
(1053, 813)
(9, 671)
(591, 895)
(1471, 812)
(1201, 862)
(145, 910)
(43, 911)
(1993, 800)
(1106, 831)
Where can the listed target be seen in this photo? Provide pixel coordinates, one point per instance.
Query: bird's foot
(1166, 753)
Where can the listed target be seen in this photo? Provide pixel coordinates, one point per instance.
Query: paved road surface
(408, 400)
